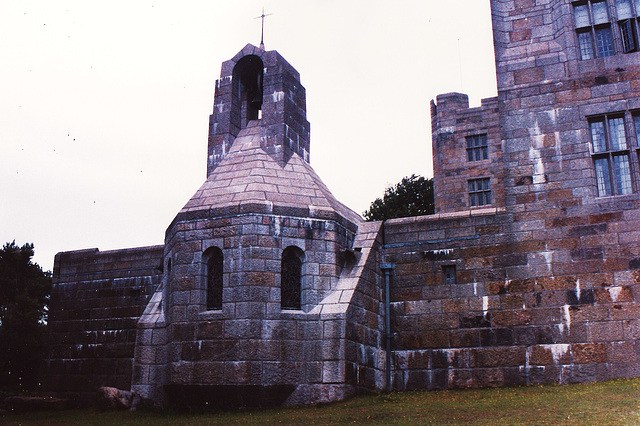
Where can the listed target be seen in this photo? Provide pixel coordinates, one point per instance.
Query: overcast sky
(104, 105)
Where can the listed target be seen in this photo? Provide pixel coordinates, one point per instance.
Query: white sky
(104, 105)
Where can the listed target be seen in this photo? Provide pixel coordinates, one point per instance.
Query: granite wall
(96, 301)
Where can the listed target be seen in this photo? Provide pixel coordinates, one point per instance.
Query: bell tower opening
(248, 77)
(263, 88)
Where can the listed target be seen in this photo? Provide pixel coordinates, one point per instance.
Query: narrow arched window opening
(291, 278)
(214, 274)
(248, 75)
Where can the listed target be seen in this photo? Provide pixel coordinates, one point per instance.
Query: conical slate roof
(249, 177)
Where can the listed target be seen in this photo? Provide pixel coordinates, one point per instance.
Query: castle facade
(268, 290)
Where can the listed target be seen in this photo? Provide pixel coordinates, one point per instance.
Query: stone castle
(268, 290)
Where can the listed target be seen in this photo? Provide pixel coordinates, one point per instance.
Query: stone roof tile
(250, 196)
(248, 174)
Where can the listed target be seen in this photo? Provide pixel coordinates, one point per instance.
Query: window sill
(294, 313)
(608, 198)
(211, 314)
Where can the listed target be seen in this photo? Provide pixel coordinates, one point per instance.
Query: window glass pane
(627, 34)
(604, 42)
(617, 134)
(636, 120)
(477, 148)
(621, 173)
(449, 274)
(597, 136)
(623, 9)
(479, 192)
(600, 12)
(581, 14)
(586, 45)
(637, 7)
(602, 177)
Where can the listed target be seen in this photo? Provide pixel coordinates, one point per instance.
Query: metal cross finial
(262, 32)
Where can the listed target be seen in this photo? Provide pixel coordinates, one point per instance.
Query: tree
(412, 196)
(24, 292)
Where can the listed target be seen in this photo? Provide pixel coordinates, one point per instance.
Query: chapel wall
(252, 342)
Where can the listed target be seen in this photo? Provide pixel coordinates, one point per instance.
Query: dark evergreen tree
(24, 292)
(412, 196)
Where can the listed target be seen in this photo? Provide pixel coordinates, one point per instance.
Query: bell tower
(259, 85)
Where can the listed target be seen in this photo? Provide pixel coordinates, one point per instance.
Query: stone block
(624, 311)
(144, 336)
(551, 354)
(449, 358)
(487, 377)
(333, 329)
(180, 372)
(242, 372)
(209, 330)
(588, 353)
(621, 352)
(580, 373)
(496, 337)
(208, 372)
(440, 379)
(461, 378)
(218, 350)
(243, 328)
(544, 374)
(631, 329)
(464, 338)
(190, 351)
(416, 380)
(283, 373)
(498, 357)
(145, 355)
(333, 371)
(605, 331)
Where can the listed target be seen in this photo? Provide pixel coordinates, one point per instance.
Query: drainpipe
(387, 268)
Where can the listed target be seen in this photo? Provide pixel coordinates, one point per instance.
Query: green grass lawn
(614, 402)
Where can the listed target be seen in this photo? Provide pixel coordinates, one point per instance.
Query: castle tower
(562, 148)
(567, 77)
(467, 154)
(252, 309)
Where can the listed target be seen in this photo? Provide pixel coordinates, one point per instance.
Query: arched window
(213, 273)
(291, 278)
